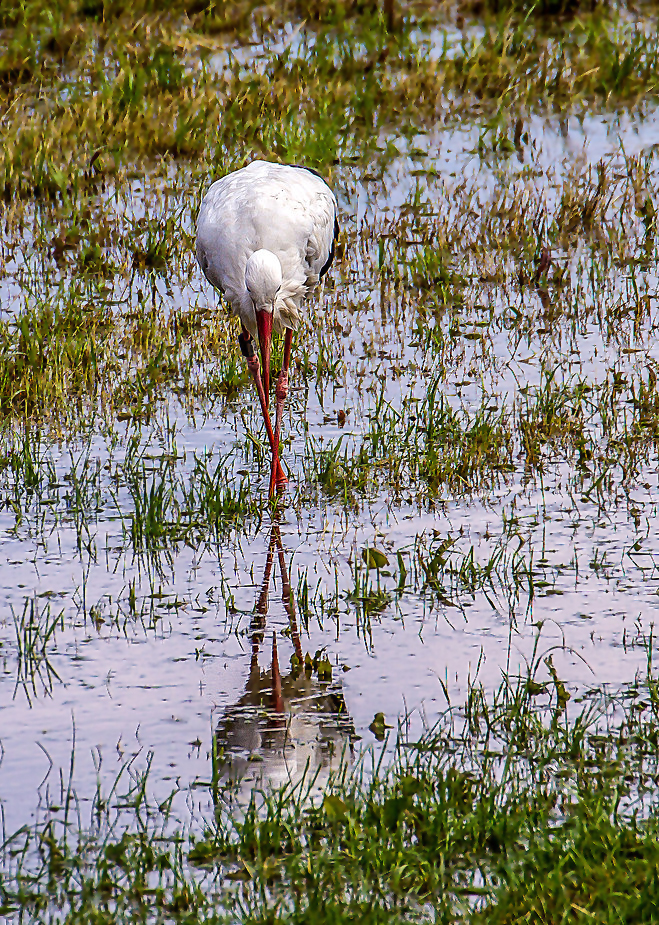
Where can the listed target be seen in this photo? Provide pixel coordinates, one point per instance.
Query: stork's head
(263, 279)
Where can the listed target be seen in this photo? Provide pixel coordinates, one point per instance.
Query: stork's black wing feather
(310, 169)
(330, 259)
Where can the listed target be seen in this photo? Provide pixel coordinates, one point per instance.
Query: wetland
(459, 588)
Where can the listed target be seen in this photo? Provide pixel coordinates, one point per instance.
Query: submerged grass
(516, 806)
(159, 505)
(35, 630)
(88, 97)
(435, 446)
(74, 356)
(424, 449)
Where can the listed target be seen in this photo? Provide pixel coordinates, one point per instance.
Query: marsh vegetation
(462, 579)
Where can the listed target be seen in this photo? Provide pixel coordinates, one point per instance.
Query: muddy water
(167, 657)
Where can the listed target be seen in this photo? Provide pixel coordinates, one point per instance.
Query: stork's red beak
(264, 325)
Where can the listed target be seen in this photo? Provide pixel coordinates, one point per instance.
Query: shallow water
(165, 651)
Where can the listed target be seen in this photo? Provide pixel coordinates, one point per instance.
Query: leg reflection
(288, 720)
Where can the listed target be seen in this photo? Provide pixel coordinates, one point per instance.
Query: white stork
(265, 237)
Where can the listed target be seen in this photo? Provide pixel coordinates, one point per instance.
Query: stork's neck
(263, 278)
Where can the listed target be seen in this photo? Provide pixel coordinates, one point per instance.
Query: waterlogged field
(461, 581)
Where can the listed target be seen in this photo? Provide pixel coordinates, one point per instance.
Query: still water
(167, 657)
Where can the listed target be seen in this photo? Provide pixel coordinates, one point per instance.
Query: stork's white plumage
(288, 211)
(265, 236)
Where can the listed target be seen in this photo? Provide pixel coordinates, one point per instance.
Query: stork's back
(287, 210)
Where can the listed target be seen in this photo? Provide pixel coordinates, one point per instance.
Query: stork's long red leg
(277, 478)
(247, 347)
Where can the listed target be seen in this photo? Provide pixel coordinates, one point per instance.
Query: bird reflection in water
(287, 723)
